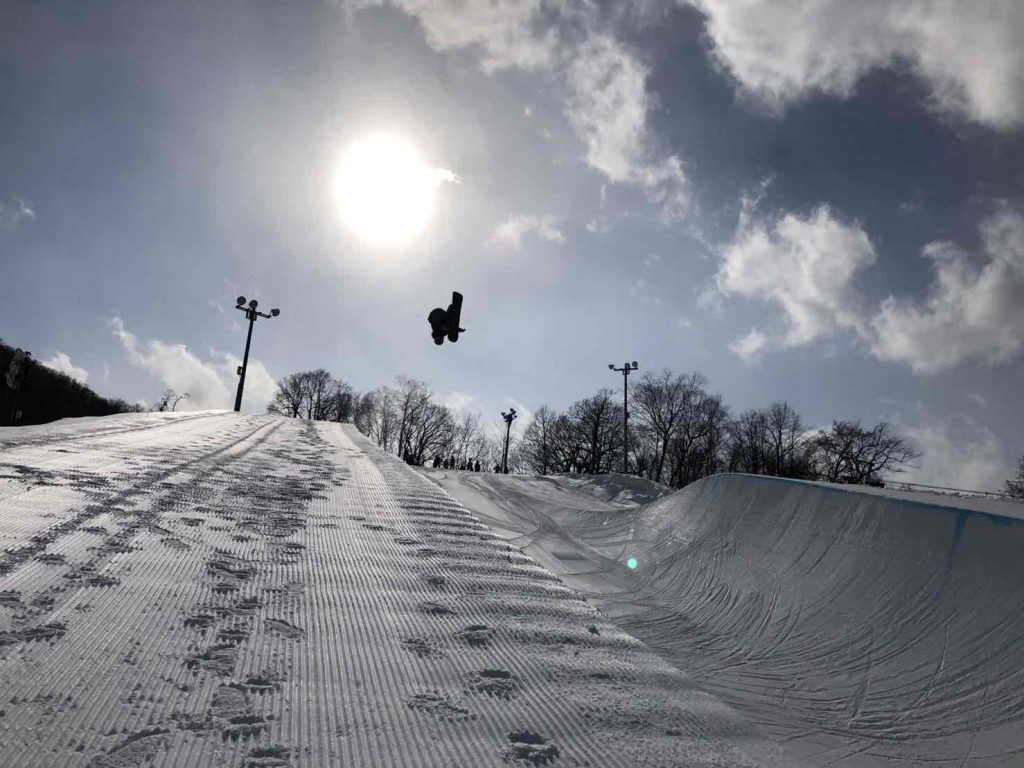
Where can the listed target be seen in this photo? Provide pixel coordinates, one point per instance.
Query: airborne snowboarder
(446, 323)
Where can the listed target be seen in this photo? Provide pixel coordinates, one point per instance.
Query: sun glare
(385, 191)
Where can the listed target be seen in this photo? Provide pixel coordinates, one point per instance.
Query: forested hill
(40, 394)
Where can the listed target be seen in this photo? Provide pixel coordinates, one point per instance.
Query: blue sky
(812, 201)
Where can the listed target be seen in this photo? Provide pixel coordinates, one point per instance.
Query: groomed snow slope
(859, 628)
(220, 590)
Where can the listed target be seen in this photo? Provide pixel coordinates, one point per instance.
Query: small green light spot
(631, 563)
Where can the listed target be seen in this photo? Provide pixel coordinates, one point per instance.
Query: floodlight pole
(509, 418)
(626, 369)
(251, 314)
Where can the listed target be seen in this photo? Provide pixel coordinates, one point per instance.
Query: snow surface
(861, 627)
(214, 589)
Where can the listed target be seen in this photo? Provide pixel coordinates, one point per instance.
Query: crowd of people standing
(450, 462)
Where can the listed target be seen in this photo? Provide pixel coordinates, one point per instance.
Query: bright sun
(385, 191)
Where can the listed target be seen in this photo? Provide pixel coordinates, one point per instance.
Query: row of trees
(404, 419)
(314, 395)
(1015, 486)
(680, 432)
(407, 420)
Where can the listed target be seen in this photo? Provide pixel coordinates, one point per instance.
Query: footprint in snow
(263, 682)
(436, 609)
(424, 649)
(269, 756)
(529, 748)
(439, 705)
(284, 628)
(136, 750)
(499, 683)
(200, 621)
(477, 635)
(219, 659)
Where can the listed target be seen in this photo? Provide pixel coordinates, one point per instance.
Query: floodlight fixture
(626, 369)
(509, 418)
(250, 314)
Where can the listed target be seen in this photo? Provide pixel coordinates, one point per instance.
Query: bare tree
(569, 443)
(318, 388)
(709, 456)
(362, 412)
(1015, 486)
(661, 401)
(466, 439)
(342, 404)
(537, 448)
(771, 441)
(598, 424)
(848, 453)
(384, 420)
(747, 444)
(290, 396)
(686, 446)
(431, 429)
(412, 398)
(165, 400)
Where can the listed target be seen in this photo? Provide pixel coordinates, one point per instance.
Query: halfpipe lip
(995, 508)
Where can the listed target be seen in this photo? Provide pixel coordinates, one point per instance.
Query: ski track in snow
(221, 590)
(862, 630)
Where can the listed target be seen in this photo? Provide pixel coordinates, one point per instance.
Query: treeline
(31, 393)
(1014, 487)
(314, 395)
(679, 432)
(404, 419)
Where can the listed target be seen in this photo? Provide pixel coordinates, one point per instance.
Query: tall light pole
(509, 418)
(250, 314)
(627, 368)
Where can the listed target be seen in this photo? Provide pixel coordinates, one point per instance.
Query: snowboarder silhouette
(446, 323)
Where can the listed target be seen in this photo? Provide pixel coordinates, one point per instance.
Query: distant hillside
(42, 394)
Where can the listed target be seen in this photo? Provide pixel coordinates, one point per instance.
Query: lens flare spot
(631, 563)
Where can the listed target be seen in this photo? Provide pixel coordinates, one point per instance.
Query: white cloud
(969, 312)
(957, 453)
(607, 105)
(808, 265)
(641, 292)
(750, 346)
(804, 264)
(14, 211)
(515, 228)
(61, 362)
(507, 33)
(606, 100)
(968, 54)
(461, 403)
(209, 384)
